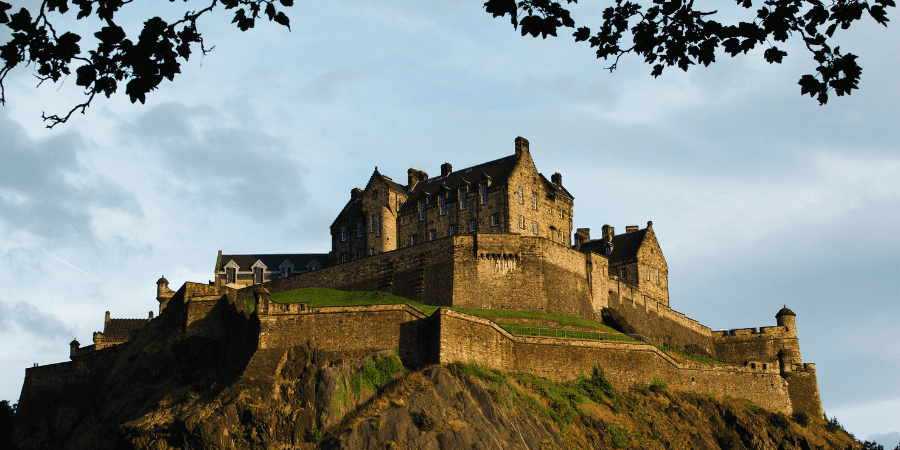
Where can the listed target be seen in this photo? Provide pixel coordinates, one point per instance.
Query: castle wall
(746, 344)
(351, 331)
(471, 339)
(656, 320)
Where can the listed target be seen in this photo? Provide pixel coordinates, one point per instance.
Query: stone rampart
(748, 344)
(467, 338)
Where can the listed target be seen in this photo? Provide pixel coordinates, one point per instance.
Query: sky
(759, 197)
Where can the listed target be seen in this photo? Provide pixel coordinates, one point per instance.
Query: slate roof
(625, 246)
(352, 209)
(122, 328)
(497, 171)
(391, 183)
(785, 312)
(273, 262)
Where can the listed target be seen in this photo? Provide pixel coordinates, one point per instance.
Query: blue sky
(759, 197)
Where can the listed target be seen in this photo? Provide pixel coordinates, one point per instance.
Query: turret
(73, 348)
(261, 296)
(785, 362)
(163, 294)
(785, 318)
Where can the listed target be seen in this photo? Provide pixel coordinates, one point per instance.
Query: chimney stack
(355, 193)
(582, 235)
(415, 176)
(446, 168)
(608, 233)
(630, 228)
(556, 178)
(521, 146)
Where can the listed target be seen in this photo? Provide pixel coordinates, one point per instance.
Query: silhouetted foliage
(7, 417)
(673, 33)
(665, 32)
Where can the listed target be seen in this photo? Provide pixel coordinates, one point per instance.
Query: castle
(498, 235)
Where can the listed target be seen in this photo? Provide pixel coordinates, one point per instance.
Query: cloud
(25, 317)
(47, 193)
(218, 160)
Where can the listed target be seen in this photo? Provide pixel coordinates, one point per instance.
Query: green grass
(530, 330)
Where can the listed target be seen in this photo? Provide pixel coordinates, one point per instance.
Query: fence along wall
(468, 338)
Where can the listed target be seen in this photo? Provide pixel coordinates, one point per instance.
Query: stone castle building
(498, 235)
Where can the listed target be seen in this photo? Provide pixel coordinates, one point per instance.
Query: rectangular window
(462, 198)
(561, 214)
(452, 230)
(359, 228)
(375, 194)
(521, 197)
(421, 210)
(371, 251)
(484, 193)
(230, 275)
(534, 226)
(361, 253)
(533, 201)
(471, 225)
(343, 233)
(257, 275)
(648, 272)
(522, 222)
(442, 204)
(414, 239)
(657, 276)
(432, 235)
(285, 272)
(343, 257)
(372, 223)
(495, 219)
(623, 272)
(378, 229)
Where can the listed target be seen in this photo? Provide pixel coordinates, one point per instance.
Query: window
(495, 219)
(657, 276)
(607, 249)
(230, 275)
(343, 233)
(372, 223)
(484, 193)
(533, 201)
(257, 275)
(378, 228)
(371, 251)
(343, 257)
(375, 194)
(522, 222)
(414, 239)
(534, 226)
(432, 235)
(521, 197)
(453, 230)
(359, 228)
(561, 214)
(285, 272)
(361, 253)
(471, 225)
(462, 198)
(421, 210)
(623, 272)
(442, 204)
(648, 272)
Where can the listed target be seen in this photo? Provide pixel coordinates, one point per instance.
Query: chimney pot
(556, 178)
(355, 193)
(608, 233)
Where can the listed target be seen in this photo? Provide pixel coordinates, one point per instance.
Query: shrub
(801, 418)
(832, 425)
(619, 435)
(779, 420)
(867, 445)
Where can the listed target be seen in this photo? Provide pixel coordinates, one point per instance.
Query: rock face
(166, 390)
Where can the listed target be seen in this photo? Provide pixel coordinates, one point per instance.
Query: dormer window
(421, 210)
(285, 272)
(623, 273)
(462, 197)
(343, 233)
(359, 228)
(484, 187)
(257, 275)
(442, 204)
(230, 275)
(607, 250)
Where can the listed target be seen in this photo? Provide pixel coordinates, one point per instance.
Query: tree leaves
(672, 33)
(142, 64)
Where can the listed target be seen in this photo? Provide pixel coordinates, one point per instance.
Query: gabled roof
(550, 187)
(352, 209)
(122, 328)
(625, 246)
(395, 186)
(497, 171)
(274, 261)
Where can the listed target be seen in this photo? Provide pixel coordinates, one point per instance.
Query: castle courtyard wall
(747, 344)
